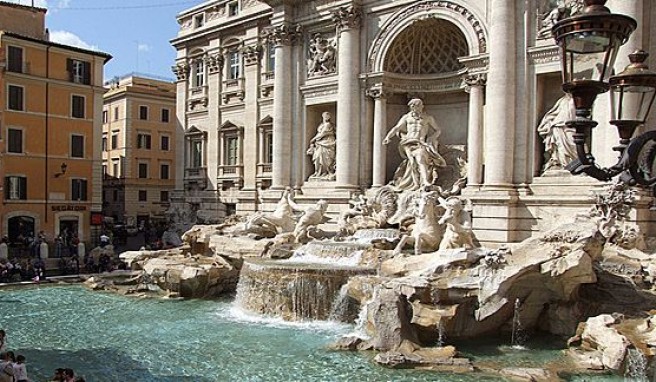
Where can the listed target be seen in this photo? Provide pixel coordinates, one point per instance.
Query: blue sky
(135, 32)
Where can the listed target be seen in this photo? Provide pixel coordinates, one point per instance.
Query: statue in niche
(558, 139)
(322, 56)
(323, 149)
(558, 11)
(458, 233)
(418, 133)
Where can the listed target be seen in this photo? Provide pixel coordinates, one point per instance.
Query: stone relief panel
(322, 56)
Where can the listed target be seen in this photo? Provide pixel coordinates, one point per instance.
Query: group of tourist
(16, 270)
(14, 369)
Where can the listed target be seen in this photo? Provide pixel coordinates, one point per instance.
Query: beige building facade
(138, 149)
(255, 77)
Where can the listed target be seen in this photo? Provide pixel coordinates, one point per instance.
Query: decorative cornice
(251, 54)
(214, 63)
(544, 55)
(347, 18)
(181, 71)
(284, 34)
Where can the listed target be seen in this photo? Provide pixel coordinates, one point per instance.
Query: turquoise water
(106, 337)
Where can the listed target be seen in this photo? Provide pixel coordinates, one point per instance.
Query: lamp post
(589, 42)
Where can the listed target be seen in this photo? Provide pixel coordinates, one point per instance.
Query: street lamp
(589, 42)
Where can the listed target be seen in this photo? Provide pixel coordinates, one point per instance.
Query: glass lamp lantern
(589, 42)
(632, 94)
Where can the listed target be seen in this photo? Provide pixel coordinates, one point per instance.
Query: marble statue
(559, 144)
(427, 232)
(281, 220)
(323, 149)
(322, 56)
(560, 10)
(458, 233)
(358, 206)
(308, 222)
(418, 133)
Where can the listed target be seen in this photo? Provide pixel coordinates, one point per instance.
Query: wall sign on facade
(69, 207)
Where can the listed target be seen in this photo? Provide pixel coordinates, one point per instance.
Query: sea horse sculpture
(427, 233)
(458, 232)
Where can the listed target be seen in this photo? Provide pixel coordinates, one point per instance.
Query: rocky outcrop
(602, 346)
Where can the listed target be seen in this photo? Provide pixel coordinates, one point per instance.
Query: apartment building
(50, 130)
(138, 148)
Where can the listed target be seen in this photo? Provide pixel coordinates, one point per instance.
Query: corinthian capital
(284, 34)
(479, 79)
(347, 17)
(376, 93)
(251, 54)
(214, 62)
(181, 71)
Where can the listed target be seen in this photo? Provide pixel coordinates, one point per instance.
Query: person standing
(20, 370)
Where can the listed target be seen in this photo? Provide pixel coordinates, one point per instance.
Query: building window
(105, 116)
(143, 141)
(15, 138)
(268, 147)
(77, 146)
(104, 142)
(233, 8)
(271, 58)
(164, 171)
(234, 65)
(77, 106)
(143, 113)
(114, 140)
(104, 171)
(143, 195)
(115, 168)
(196, 154)
(199, 73)
(143, 170)
(78, 189)
(164, 196)
(231, 151)
(164, 143)
(79, 71)
(15, 59)
(116, 113)
(15, 99)
(199, 20)
(165, 115)
(16, 188)
(115, 195)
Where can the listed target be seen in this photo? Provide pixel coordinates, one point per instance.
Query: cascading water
(441, 334)
(635, 366)
(518, 338)
(293, 291)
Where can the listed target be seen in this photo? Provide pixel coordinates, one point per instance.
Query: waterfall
(635, 366)
(293, 291)
(441, 334)
(518, 338)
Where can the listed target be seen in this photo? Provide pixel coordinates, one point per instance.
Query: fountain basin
(294, 291)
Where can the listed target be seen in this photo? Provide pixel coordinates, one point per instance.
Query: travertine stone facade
(252, 89)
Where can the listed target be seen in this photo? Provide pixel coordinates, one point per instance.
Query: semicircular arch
(463, 18)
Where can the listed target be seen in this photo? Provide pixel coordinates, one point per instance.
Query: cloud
(143, 47)
(68, 38)
(63, 4)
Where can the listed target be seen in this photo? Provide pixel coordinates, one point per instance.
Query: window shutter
(83, 189)
(7, 190)
(22, 188)
(69, 68)
(87, 73)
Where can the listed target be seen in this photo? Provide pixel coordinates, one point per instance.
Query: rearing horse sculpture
(426, 233)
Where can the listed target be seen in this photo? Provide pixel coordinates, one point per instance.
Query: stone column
(347, 20)
(283, 36)
(380, 129)
(181, 71)
(500, 93)
(474, 86)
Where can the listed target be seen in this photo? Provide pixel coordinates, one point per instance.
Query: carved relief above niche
(322, 55)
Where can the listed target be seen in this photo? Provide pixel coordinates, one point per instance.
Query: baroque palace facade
(255, 80)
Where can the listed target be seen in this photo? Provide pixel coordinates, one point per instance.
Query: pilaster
(380, 129)
(474, 85)
(251, 55)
